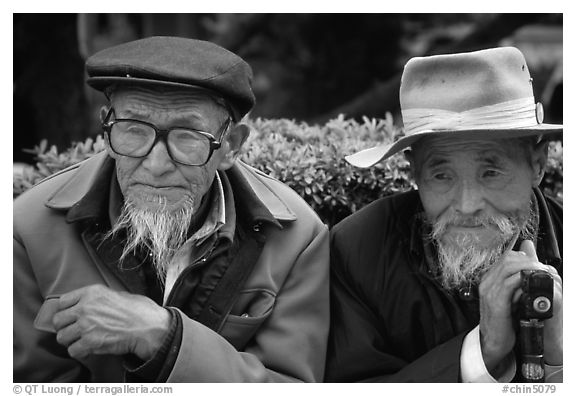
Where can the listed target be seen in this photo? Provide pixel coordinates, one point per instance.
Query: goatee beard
(462, 260)
(161, 232)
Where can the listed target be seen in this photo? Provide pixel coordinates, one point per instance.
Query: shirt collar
(217, 215)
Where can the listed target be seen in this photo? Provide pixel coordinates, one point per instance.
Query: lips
(147, 192)
(468, 227)
(157, 186)
(157, 196)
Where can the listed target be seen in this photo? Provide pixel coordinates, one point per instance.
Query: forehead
(145, 102)
(440, 149)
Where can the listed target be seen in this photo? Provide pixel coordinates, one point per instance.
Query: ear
(234, 141)
(104, 112)
(409, 155)
(539, 158)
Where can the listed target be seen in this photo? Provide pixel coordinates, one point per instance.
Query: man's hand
(98, 320)
(499, 289)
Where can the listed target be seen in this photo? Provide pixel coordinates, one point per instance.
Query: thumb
(527, 246)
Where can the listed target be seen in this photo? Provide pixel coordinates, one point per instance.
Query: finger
(500, 292)
(558, 283)
(553, 271)
(527, 246)
(63, 318)
(68, 335)
(516, 295)
(512, 284)
(497, 274)
(71, 298)
(79, 349)
(513, 263)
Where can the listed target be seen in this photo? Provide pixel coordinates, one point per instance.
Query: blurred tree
(430, 34)
(48, 82)
(309, 67)
(307, 64)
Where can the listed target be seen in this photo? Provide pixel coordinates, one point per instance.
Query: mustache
(506, 225)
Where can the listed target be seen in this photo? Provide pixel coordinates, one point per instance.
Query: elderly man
(425, 284)
(164, 258)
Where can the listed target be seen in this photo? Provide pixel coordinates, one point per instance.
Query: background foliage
(308, 67)
(309, 158)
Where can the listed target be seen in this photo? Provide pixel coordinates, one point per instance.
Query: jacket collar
(259, 187)
(82, 194)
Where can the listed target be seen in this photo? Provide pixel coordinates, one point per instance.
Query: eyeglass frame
(162, 135)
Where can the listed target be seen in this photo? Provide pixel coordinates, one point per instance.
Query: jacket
(275, 330)
(391, 319)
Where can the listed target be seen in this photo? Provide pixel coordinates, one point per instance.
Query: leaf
(42, 146)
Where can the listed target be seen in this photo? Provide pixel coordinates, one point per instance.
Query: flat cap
(175, 61)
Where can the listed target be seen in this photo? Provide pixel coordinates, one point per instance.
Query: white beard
(462, 259)
(161, 232)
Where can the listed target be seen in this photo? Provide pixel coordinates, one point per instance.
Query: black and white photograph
(287, 197)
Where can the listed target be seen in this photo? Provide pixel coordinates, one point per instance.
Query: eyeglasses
(135, 138)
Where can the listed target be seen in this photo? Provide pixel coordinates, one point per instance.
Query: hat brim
(370, 157)
(103, 82)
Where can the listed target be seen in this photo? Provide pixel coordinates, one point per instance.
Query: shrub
(49, 161)
(552, 184)
(308, 158)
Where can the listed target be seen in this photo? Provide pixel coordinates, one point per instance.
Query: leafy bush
(552, 183)
(308, 158)
(49, 161)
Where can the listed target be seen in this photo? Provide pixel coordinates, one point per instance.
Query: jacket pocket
(247, 315)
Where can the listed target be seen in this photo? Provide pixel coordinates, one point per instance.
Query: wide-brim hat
(481, 94)
(175, 62)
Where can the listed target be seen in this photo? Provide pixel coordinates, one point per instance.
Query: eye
(490, 173)
(441, 176)
(135, 128)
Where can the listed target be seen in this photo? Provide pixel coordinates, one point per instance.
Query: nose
(158, 161)
(469, 197)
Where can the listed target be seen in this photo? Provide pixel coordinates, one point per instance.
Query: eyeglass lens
(135, 139)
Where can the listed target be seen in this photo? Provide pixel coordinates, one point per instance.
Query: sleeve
(290, 346)
(358, 350)
(472, 364)
(474, 370)
(554, 373)
(157, 368)
(37, 356)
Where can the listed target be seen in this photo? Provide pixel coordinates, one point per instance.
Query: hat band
(517, 113)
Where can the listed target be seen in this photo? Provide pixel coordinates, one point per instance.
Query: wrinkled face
(472, 179)
(476, 196)
(156, 181)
